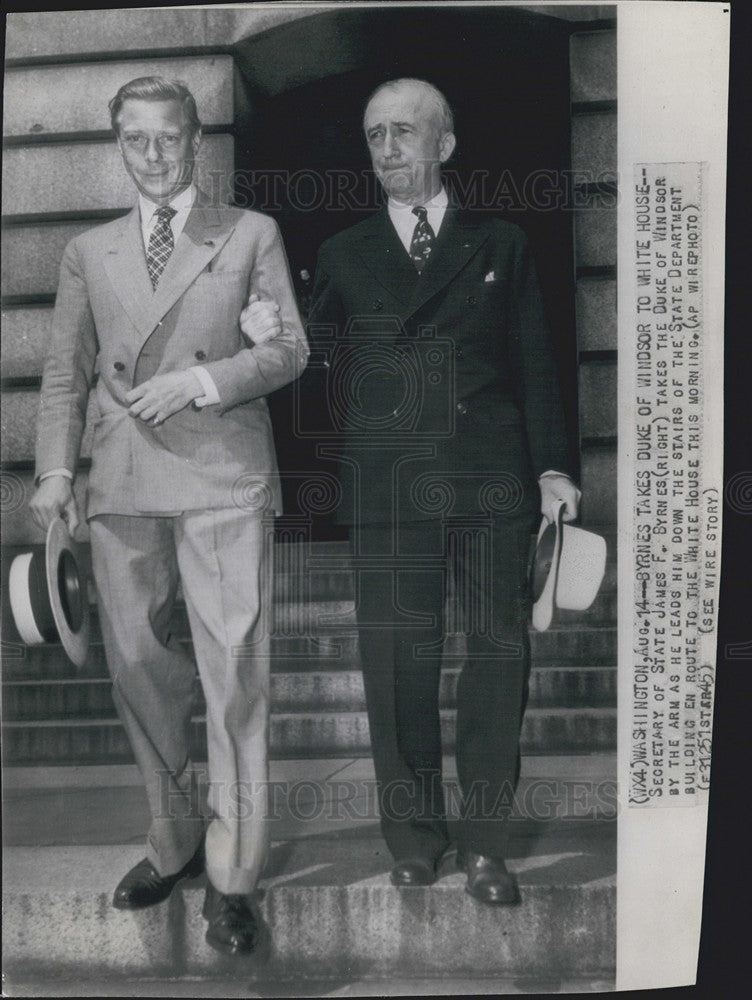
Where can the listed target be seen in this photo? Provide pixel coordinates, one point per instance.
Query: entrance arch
(301, 156)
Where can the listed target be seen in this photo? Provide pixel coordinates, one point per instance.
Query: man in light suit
(183, 480)
(447, 425)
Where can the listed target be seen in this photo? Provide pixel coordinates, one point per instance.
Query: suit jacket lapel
(206, 231)
(125, 264)
(384, 255)
(459, 238)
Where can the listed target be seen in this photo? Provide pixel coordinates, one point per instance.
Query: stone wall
(593, 95)
(62, 174)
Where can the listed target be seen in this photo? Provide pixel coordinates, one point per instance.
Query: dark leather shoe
(414, 871)
(232, 929)
(143, 885)
(488, 879)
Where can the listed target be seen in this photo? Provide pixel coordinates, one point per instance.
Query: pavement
(308, 988)
(333, 923)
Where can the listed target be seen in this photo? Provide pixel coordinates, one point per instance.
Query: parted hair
(155, 88)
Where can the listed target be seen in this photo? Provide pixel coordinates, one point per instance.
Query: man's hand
(555, 488)
(260, 321)
(160, 396)
(54, 498)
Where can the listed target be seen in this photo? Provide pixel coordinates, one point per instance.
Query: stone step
(300, 734)
(69, 833)
(107, 804)
(329, 616)
(337, 650)
(33, 700)
(313, 570)
(229, 984)
(327, 911)
(318, 571)
(563, 646)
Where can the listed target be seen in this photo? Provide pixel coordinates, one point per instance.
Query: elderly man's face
(157, 147)
(406, 143)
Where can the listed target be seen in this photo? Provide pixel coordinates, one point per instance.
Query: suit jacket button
(458, 352)
(461, 408)
(119, 366)
(200, 355)
(378, 305)
(471, 300)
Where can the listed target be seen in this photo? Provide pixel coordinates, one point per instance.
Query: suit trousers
(223, 560)
(401, 584)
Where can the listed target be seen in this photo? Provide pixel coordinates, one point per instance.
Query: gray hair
(155, 88)
(443, 113)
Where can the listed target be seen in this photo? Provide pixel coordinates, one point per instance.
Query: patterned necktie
(421, 244)
(161, 244)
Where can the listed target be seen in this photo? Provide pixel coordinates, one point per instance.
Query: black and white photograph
(361, 496)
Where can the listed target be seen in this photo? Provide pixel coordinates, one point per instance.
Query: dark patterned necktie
(421, 244)
(161, 244)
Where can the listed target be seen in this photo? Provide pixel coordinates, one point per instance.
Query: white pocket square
(490, 276)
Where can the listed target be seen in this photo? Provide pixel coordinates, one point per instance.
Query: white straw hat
(49, 596)
(568, 568)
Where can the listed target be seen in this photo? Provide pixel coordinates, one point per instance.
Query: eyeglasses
(166, 142)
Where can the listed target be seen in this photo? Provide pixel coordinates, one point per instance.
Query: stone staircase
(76, 814)
(329, 913)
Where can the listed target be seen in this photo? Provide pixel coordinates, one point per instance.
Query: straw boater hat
(48, 594)
(567, 569)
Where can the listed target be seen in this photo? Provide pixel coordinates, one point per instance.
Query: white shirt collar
(440, 200)
(181, 203)
(404, 221)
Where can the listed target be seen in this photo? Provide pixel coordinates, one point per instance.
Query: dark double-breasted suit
(443, 407)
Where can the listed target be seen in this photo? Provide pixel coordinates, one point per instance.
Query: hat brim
(546, 570)
(582, 566)
(68, 593)
(542, 561)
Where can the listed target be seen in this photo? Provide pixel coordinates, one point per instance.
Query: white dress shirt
(405, 222)
(181, 203)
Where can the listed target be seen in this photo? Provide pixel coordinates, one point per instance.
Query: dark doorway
(302, 158)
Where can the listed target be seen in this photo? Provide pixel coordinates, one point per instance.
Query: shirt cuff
(553, 472)
(56, 472)
(211, 393)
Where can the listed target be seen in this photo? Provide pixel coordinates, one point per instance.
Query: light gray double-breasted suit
(187, 501)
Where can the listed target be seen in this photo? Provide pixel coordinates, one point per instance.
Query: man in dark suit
(442, 395)
(183, 476)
